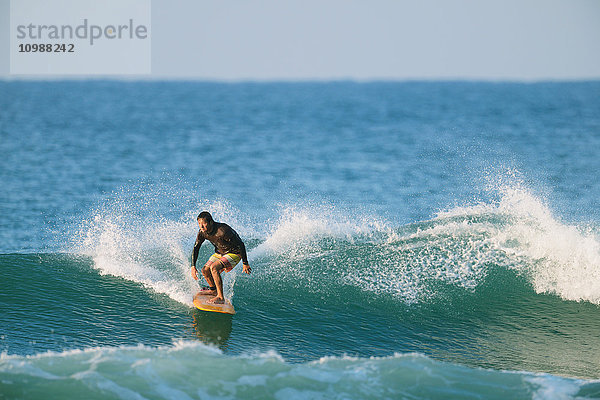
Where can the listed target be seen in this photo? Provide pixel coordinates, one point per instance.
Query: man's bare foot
(208, 291)
(216, 300)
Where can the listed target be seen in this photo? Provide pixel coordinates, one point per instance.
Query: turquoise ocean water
(408, 240)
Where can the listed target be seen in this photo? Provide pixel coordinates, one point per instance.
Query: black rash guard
(225, 240)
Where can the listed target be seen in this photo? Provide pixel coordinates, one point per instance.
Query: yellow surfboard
(200, 301)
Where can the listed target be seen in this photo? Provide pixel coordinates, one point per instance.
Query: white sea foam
(412, 266)
(126, 237)
(457, 247)
(307, 246)
(150, 253)
(557, 257)
(191, 369)
(297, 228)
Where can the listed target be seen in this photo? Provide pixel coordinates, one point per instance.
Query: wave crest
(322, 247)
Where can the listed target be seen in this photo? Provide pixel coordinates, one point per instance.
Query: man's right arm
(199, 241)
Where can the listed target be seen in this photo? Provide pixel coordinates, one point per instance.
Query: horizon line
(166, 78)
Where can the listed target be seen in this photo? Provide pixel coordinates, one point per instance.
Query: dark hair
(205, 215)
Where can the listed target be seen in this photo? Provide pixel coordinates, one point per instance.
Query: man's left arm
(246, 267)
(232, 237)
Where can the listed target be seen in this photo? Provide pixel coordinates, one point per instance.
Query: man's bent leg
(206, 272)
(208, 275)
(215, 269)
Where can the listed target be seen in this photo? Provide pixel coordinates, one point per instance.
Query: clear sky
(369, 39)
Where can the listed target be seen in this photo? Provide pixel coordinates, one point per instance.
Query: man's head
(205, 222)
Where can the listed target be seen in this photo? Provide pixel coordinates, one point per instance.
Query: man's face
(203, 225)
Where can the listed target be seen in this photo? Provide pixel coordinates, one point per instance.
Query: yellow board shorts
(228, 260)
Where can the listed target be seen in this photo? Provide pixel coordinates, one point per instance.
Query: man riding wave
(229, 250)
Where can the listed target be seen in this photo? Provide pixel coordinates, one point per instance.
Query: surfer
(229, 250)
